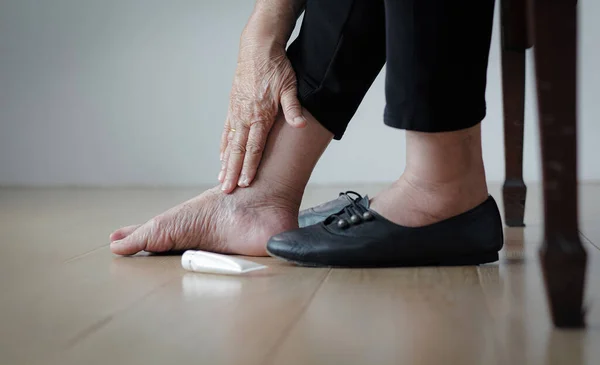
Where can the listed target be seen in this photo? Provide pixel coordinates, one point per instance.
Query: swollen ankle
(281, 192)
(413, 202)
(462, 193)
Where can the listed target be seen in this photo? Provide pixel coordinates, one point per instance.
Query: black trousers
(436, 53)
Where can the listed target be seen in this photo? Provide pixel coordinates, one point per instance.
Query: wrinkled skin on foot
(239, 223)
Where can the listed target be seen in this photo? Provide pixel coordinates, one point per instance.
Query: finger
(235, 161)
(292, 110)
(226, 154)
(257, 139)
(134, 243)
(224, 136)
(121, 233)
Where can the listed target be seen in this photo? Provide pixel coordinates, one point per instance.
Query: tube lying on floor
(213, 263)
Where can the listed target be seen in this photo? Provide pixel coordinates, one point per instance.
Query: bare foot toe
(123, 232)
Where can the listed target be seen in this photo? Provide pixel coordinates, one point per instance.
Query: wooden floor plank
(394, 316)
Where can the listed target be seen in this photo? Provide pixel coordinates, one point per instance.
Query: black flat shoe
(319, 213)
(359, 237)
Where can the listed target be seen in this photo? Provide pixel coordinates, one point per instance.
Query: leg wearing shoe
(439, 211)
(435, 88)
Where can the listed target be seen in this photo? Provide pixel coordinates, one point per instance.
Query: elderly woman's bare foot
(240, 223)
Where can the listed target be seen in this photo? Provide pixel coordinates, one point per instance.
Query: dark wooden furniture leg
(562, 255)
(514, 44)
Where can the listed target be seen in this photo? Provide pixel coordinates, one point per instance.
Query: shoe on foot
(319, 213)
(357, 236)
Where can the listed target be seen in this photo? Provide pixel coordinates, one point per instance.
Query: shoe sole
(465, 260)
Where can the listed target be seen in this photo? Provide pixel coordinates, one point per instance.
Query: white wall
(134, 92)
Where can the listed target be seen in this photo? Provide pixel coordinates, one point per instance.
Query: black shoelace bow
(353, 213)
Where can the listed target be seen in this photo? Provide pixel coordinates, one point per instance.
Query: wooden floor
(65, 299)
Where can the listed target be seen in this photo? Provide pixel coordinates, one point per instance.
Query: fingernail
(243, 182)
(118, 242)
(221, 157)
(227, 186)
(299, 120)
(221, 175)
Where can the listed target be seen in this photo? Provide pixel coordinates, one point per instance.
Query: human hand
(264, 80)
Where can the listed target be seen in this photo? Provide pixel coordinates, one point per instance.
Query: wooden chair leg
(562, 255)
(514, 44)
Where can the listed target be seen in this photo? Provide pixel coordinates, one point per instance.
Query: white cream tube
(213, 263)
